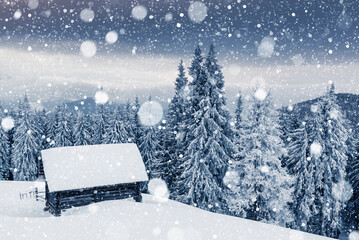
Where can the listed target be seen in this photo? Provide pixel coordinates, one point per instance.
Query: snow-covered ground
(126, 219)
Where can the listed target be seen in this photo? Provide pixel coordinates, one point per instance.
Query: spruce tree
(174, 120)
(50, 127)
(264, 188)
(302, 168)
(26, 146)
(128, 121)
(42, 121)
(15, 116)
(63, 128)
(136, 123)
(184, 135)
(4, 151)
(238, 112)
(101, 121)
(209, 148)
(352, 211)
(328, 138)
(4, 155)
(82, 133)
(151, 152)
(115, 130)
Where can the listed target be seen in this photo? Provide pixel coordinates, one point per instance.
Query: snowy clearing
(126, 219)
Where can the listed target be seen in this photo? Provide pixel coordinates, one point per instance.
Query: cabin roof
(68, 168)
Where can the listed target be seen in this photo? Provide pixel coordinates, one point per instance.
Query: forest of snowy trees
(256, 164)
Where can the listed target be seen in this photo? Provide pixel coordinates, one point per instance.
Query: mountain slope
(349, 103)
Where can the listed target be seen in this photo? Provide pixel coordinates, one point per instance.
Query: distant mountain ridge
(87, 105)
(348, 102)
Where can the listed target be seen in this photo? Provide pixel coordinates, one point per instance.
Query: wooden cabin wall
(58, 201)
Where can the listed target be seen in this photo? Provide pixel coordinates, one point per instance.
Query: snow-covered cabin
(80, 175)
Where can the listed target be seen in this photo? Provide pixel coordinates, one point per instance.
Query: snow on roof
(92, 165)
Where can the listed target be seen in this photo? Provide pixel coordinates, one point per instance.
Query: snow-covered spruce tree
(82, 132)
(42, 119)
(239, 110)
(151, 153)
(4, 155)
(101, 121)
(184, 135)
(264, 188)
(174, 119)
(115, 131)
(14, 115)
(210, 138)
(302, 168)
(50, 127)
(328, 135)
(63, 128)
(136, 123)
(352, 211)
(128, 121)
(4, 151)
(26, 145)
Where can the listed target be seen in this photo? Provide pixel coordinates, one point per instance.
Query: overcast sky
(305, 44)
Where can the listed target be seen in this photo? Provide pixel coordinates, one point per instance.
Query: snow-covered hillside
(126, 219)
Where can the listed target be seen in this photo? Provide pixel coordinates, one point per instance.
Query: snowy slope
(126, 219)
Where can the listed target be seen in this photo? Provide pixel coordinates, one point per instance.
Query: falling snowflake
(231, 179)
(101, 97)
(111, 37)
(17, 14)
(87, 15)
(354, 235)
(169, 17)
(314, 108)
(139, 12)
(266, 47)
(33, 4)
(342, 191)
(158, 188)
(7, 123)
(264, 169)
(315, 149)
(197, 11)
(88, 49)
(150, 113)
(260, 94)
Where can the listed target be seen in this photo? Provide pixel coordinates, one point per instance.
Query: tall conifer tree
(4, 151)
(209, 138)
(328, 138)
(63, 128)
(82, 133)
(27, 145)
(115, 130)
(175, 117)
(101, 121)
(264, 188)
